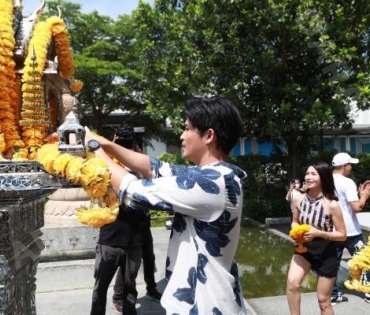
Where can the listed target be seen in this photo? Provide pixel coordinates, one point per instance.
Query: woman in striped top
(318, 207)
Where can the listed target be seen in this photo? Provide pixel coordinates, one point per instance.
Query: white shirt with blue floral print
(207, 201)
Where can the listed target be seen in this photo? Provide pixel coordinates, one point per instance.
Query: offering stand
(34, 100)
(23, 191)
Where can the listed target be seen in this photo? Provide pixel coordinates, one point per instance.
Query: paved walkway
(65, 288)
(278, 305)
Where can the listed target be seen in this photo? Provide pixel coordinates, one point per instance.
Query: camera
(129, 137)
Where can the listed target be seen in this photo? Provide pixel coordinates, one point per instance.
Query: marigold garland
(9, 136)
(92, 174)
(358, 266)
(62, 46)
(297, 234)
(34, 115)
(76, 86)
(356, 285)
(34, 112)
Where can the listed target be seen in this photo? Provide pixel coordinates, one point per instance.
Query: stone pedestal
(23, 191)
(20, 249)
(60, 209)
(63, 234)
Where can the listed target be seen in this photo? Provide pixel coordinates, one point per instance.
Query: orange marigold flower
(2, 143)
(297, 232)
(76, 86)
(73, 169)
(61, 162)
(94, 168)
(47, 152)
(110, 198)
(96, 189)
(301, 249)
(96, 216)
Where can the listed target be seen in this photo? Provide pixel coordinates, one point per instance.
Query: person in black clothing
(119, 246)
(149, 263)
(149, 268)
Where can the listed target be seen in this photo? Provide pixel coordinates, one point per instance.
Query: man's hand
(364, 190)
(52, 137)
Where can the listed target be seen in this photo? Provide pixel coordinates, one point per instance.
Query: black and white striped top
(311, 212)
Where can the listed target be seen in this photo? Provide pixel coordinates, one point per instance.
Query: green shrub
(174, 158)
(161, 214)
(360, 171)
(264, 191)
(267, 180)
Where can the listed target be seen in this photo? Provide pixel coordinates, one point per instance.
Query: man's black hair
(217, 113)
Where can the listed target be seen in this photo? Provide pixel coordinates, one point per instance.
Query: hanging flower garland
(62, 46)
(358, 266)
(35, 116)
(297, 234)
(92, 174)
(9, 136)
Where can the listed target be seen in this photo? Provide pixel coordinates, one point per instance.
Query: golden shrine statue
(36, 70)
(36, 82)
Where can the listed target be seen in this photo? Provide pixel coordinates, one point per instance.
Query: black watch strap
(93, 145)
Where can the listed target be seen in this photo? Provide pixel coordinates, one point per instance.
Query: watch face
(93, 145)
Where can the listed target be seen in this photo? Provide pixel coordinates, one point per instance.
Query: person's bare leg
(324, 288)
(299, 267)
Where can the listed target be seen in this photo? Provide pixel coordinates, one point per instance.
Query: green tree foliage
(105, 67)
(293, 67)
(174, 158)
(105, 55)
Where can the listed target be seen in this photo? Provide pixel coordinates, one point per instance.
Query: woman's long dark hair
(327, 180)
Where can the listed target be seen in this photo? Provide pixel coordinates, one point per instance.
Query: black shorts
(322, 255)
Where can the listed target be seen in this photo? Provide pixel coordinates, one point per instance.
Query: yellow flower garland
(9, 136)
(34, 114)
(35, 117)
(92, 174)
(62, 46)
(358, 265)
(297, 234)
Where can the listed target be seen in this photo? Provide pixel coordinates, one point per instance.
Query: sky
(112, 8)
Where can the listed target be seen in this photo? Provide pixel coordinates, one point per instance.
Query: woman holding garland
(318, 207)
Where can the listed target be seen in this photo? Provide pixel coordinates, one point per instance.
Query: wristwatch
(93, 145)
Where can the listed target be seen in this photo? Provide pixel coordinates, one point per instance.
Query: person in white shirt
(293, 192)
(351, 201)
(207, 199)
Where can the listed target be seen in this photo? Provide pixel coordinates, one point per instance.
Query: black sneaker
(117, 306)
(338, 299)
(367, 297)
(154, 296)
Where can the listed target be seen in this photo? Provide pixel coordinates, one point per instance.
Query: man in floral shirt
(207, 201)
